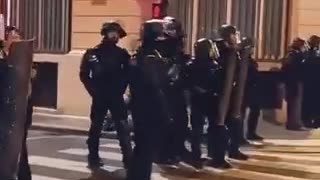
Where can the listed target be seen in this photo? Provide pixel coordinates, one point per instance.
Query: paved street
(58, 156)
(63, 157)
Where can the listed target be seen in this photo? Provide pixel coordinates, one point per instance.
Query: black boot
(253, 124)
(94, 161)
(235, 132)
(254, 137)
(123, 132)
(243, 141)
(220, 145)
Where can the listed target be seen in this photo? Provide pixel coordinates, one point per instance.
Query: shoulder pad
(91, 55)
(218, 40)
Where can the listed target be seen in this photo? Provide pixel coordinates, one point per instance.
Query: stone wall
(88, 16)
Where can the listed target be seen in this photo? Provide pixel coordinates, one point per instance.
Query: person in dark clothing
(234, 62)
(104, 73)
(251, 97)
(24, 172)
(151, 73)
(293, 69)
(203, 72)
(311, 97)
(174, 149)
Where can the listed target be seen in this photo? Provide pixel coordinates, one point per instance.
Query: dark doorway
(45, 86)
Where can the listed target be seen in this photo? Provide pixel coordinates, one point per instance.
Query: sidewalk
(64, 124)
(80, 125)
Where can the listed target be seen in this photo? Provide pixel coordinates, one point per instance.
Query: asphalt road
(56, 156)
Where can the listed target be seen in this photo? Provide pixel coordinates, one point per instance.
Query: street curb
(70, 130)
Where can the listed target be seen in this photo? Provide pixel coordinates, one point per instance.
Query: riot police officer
(293, 69)
(173, 142)
(203, 77)
(251, 97)
(233, 60)
(311, 95)
(148, 84)
(104, 73)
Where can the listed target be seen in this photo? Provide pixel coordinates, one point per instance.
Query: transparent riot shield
(14, 105)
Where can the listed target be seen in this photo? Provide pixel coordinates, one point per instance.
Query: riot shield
(241, 79)
(228, 75)
(13, 113)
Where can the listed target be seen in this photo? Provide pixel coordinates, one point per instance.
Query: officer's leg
(294, 102)
(146, 131)
(24, 172)
(243, 140)
(253, 119)
(180, 128)
(119, 115)
(211, 113)
(235, 128)
(197, 121)
(98, 111)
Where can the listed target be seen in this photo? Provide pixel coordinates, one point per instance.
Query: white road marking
(65, 164)
(65, 137)
(84, 152)
(114, 146)
(157, 176)
(83, 118)
(38, 177)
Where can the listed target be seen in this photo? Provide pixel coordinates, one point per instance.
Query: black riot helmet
(152, 31)
(172, 27)
(161, 29)
(229, 33)
(226, 30)
(113, 27)
(298, 44)
(314, 42)
(164, 35)
(206, 49)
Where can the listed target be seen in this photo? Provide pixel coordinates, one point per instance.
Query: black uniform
(234, 65)
(13, 131)
(251, 101)
(294, 70)
(203, 77)
(24, 172)
(311, 95)
(148, 85)
(173, 142)
(104, 73)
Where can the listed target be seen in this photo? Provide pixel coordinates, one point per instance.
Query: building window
(211, 15)
(264, 20)
(49, 22)
(183, 10)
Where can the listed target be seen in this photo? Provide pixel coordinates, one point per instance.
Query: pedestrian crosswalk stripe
(83, 152)
(38, 177)
(111, 145)
(157, 176)
(65, 164)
